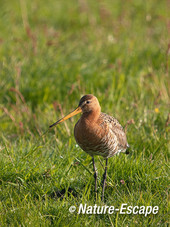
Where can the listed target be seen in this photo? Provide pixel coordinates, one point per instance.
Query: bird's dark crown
(85, 98)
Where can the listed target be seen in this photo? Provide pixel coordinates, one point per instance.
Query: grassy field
(52, 53)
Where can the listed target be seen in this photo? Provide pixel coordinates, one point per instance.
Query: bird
(97, 133)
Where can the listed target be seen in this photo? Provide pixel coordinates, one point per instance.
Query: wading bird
(97, 133)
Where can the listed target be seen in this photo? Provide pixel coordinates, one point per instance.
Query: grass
(51, 54)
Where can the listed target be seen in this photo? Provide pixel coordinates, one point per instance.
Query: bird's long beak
(76, 111)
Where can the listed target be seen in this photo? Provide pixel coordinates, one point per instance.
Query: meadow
(51, 54)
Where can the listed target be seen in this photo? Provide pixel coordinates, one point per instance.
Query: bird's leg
(104, 179)
(95, 177)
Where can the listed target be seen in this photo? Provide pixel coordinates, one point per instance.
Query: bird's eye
(87, 102)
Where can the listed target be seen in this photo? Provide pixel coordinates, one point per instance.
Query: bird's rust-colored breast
(104, 136)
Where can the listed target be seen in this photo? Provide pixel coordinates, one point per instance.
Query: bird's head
(88, 103)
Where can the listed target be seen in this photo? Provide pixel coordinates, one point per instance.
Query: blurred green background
(52, 53)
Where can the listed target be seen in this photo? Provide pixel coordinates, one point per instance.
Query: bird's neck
(92, 116)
